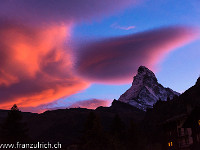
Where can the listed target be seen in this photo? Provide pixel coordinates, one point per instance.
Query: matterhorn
(146, 91)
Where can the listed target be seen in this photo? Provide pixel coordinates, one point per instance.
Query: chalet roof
(192, 119)
(175, 118)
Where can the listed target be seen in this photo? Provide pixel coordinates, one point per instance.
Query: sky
(58, 54)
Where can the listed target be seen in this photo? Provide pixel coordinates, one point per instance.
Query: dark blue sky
(178, 70)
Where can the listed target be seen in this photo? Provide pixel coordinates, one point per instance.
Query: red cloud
(91, 104)
(35, 68)
(115, 60)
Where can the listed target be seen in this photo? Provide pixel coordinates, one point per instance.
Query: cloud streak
(116, 26)
(89, 104)
(115, 60)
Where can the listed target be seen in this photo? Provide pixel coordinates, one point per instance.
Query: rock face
(145, 90)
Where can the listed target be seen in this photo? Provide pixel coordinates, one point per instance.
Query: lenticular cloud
(115, 60)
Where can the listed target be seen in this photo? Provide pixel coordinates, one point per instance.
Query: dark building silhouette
(193, 122)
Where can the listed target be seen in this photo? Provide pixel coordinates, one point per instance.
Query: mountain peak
(145, 90)
(144, 70)
(198, 82)
(144, 76)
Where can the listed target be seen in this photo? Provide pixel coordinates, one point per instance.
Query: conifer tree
(117, 132)
(14, 129)
(94, 136)
(117, 126)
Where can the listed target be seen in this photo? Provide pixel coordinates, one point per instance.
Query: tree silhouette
(135, 138)
(117, 132)
(14, 129)
(168, 98)
(94, 136)
(117, 126)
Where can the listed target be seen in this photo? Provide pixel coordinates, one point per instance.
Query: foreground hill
(67, 125)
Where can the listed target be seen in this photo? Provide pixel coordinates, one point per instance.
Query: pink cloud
(36, 62)
(115, 60)
(91, 104)
(36, 66)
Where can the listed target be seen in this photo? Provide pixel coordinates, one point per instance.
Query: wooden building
(177, 137)
(193, 122)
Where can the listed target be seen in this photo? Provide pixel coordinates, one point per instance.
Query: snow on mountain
(145, 90)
